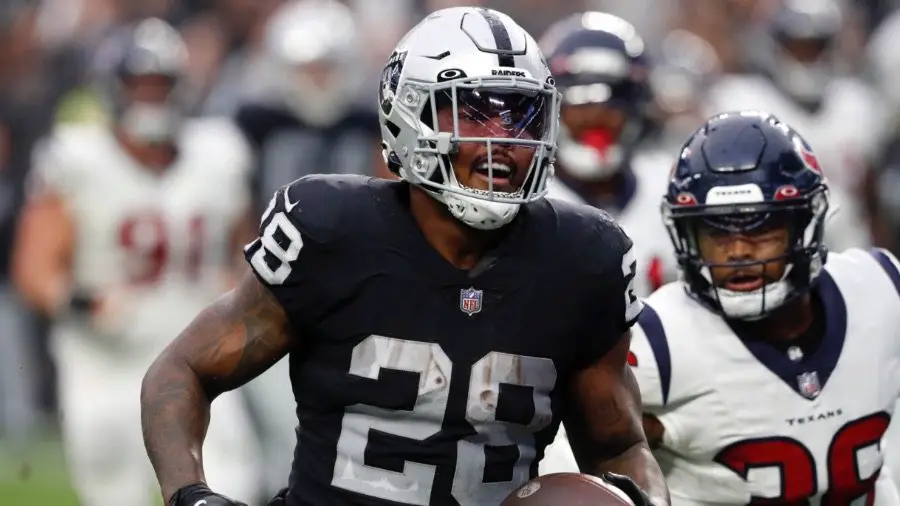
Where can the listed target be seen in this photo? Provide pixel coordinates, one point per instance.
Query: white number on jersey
(633, 304)
(794, 463)
(285, 255)
(414, 484)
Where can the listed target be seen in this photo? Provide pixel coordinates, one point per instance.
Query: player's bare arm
(653, 430)
(228, 344)
(42, 252)
(606, 434)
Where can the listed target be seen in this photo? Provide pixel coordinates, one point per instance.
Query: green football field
(35, 476)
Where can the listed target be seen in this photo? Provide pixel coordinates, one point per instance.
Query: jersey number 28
(488, 380)
(798, 468)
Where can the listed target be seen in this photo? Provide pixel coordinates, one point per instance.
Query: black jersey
(287, 148)
(417, 382)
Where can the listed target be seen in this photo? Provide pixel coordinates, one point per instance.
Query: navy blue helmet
(598, 59)
(744, 173)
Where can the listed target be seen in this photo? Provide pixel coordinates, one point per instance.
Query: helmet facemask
(712, 281)
(482, 146)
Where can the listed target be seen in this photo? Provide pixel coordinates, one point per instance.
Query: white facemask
(750, 305)
(151, 123)
(755, 304)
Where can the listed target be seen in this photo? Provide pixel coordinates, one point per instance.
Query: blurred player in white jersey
(600, 68)
(601, 71)
(799, 81)
(770, 373)
(130, 230)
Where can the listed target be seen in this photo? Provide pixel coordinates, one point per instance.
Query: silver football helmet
(313, 46)
(468, 76)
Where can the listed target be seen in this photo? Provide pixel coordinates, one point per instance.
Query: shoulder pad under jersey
(321, 205)
(589, 236)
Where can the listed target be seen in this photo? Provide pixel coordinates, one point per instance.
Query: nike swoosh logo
(439, 56)
(201, 502)
(288, 205)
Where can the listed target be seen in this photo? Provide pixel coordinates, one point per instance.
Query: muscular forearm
(227, 344)
(174, 418)
(638, 464)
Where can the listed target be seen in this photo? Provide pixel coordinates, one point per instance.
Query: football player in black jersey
(312, 119)
(438, 328)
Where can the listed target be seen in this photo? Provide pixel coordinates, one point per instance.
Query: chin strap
(478, 213)
(756, 304)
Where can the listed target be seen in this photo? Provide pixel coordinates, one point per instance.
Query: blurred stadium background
(50, 60)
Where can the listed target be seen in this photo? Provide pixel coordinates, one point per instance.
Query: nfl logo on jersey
(809, 384)
(470, 300)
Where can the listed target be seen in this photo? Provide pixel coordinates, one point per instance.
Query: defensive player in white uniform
(129, 232)
(770, 373)
(600, 68)
(840, 116)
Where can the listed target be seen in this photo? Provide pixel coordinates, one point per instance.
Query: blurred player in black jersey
(311, 120)
(438, 328)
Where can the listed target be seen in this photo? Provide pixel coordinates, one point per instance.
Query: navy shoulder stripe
(889, 267)
(656, 336)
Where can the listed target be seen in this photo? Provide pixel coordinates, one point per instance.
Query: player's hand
(629, 487)
(200, 495)
(109, 311)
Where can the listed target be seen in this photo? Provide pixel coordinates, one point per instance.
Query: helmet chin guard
(478, 213)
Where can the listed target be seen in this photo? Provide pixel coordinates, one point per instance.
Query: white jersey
(745, 422)
(159, 240)
(845, 134)
(641, 219)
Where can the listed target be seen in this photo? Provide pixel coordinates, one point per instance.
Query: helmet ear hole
(427, 116)
(442, 99)
(392, 128)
